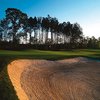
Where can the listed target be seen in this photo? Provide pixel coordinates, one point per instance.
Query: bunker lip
(75, 78)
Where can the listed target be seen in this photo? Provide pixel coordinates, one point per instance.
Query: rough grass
(6, 89)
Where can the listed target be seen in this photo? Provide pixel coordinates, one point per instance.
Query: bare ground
(70, 79)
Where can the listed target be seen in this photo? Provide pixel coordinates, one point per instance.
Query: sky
(84, 12)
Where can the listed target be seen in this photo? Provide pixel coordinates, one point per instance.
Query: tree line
(19, 29)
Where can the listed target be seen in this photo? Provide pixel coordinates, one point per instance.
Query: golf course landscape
(83, 63)
(50, 50)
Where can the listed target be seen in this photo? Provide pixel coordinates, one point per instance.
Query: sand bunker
(70, 79)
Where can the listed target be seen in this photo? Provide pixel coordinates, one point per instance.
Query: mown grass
(6, 89)
(50, 55)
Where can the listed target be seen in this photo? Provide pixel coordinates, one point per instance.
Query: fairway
(51, 55)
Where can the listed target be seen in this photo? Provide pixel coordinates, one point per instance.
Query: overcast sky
(85, 12)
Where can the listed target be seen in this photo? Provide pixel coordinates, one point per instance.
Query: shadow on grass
(7, 91)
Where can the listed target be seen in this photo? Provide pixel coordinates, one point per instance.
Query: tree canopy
(18, 28)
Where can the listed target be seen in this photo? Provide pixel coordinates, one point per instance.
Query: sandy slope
(70, 79)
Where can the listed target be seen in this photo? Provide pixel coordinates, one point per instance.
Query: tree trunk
(46, 39)
(42, 35)
(30, 35)
(51, 37)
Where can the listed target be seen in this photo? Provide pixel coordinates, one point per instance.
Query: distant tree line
(19, 30)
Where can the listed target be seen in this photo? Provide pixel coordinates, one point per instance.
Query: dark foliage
(18, 31)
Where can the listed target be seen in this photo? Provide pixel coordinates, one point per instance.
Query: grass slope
(6, 89)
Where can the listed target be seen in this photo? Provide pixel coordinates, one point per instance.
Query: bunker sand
(69, 79)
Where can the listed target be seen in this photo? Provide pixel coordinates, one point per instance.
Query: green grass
(50, 55)
(6, 89)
